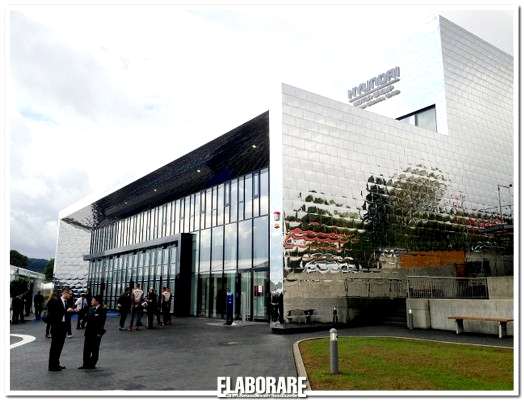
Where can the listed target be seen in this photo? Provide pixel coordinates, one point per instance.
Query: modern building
(288, 210)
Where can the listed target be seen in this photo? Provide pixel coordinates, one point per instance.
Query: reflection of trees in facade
(408, 211)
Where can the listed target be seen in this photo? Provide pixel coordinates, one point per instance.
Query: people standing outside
(166, 305)
(53, 295)
(57, 308)
(38, 303)
(69, 313)
(124, 306)
(152, 308)
(95, 321)
(89, 297)
(81, 308)
(137, 307)
(28, 301)
(17, 305)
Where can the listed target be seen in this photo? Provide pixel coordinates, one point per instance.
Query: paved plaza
(188, 355)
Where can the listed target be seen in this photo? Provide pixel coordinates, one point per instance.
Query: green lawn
(398, 364)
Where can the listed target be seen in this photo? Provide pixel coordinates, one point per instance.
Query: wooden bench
(502, 322)
(300, 315)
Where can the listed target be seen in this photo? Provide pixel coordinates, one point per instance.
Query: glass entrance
(260, 295)
(218, 296)
(245, 295)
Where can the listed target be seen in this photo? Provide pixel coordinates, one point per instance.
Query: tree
(17, 259)
(49, 269)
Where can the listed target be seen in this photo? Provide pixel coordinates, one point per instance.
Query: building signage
(376, 89)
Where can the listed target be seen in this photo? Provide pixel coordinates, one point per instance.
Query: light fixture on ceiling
(254, 146)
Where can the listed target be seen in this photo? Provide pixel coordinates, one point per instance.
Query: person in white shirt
(166, 305)
(137, 307)
(81, 309)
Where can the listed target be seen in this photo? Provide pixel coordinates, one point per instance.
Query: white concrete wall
(434, 313)
(500, 287)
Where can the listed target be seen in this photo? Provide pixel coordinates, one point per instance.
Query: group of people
(92, 316)
(58, 309)
(135, 302)
(21, 306)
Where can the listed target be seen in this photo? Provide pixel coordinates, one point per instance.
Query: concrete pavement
(189, 355)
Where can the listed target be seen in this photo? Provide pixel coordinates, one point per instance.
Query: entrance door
(260, 295)
(245, 295)
(218, 296)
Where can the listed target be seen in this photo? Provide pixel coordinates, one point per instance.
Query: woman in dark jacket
(152, 308)
(124, 306)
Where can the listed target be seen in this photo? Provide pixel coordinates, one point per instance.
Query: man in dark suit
(95, 321)
(56, 316)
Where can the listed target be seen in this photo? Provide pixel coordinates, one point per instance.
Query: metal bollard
(333, 351)
(410, 319)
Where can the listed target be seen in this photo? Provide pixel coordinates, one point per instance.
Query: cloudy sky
(99, 96)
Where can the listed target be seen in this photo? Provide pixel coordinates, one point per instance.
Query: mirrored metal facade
(367, 193)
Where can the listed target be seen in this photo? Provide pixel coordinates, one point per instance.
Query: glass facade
(151, 268)
(425, 118)
(230, 228)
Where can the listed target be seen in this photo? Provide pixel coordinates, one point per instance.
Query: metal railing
(447, 287)
(361, 287)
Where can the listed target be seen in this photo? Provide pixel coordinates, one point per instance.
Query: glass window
(131, 229)
(248, 192)
(133, 237)
(139, 228)
(217, 242)
(234, 200)
(202, 209)
(244, 244)
(162, 230)
(208, 207)
(264, 192)
(205, 250)
(168, 219)
(230, 247)
(177, 216)
(241, 198)
(196, 242)
(146, 225)
(156, 229)
(187, 213)
(256, 194)
(197, 212)
(172, 267)
(260, 242)
(192, 213)
(220, 205)
(427, 119)
(214, 206)
(409, 120)
(227, 201)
